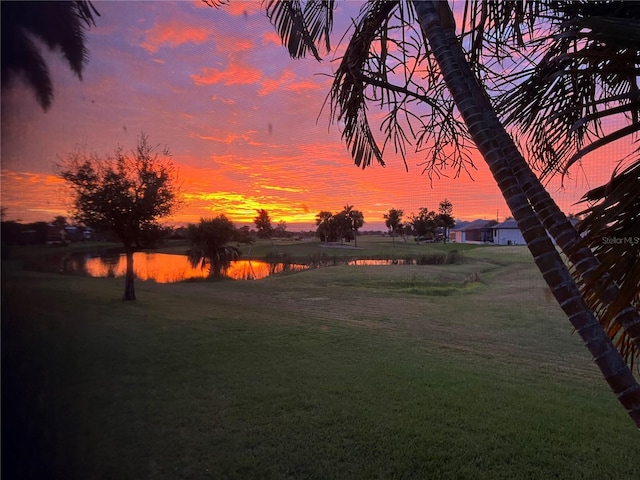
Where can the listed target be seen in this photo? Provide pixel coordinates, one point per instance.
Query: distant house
(478, 231)
(56, 235)
(507, 233)
(77, 234)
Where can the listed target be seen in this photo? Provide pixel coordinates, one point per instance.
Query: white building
(507, 233)
(478, 231)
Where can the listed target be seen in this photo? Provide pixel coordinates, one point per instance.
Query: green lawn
(337, 372)
(311, 250)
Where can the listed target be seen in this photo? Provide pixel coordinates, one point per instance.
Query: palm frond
(611, 228)
(497, 30)
(387, 63)
(300, 27)
(588, 74)
(23, 57)
(348, 93)
(318, 16)
(59, 25)
(215, 3)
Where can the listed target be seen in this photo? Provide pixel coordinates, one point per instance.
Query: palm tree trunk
(569, 241)
(497, 149)
(129, 291)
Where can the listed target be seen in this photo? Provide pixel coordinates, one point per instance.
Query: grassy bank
(341, 372)
(308, 249)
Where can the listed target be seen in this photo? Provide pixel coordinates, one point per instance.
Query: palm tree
(373, 56)
(324, 222)
(500, 153)
(57, 24)
(347, 223)
(583, 72)
(209, 247)
(357, 221)
(393, 221)
(581, 95)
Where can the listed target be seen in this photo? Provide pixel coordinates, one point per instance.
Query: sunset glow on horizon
(244, 123)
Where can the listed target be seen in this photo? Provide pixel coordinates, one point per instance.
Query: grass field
(401, 371)
(369, 246)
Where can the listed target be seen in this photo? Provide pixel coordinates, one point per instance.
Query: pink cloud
(271, 85)
(235, 74)
(303, 86)
(173, 33)
(233, 44)
(242, 8)
(287, 81)
(271, 37)
(229, 138)
(228, 101)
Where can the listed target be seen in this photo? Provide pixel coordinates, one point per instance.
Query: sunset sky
(242, 120)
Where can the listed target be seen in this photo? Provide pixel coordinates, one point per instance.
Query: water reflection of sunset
(255, 270)
(159, 267)
(166, 268)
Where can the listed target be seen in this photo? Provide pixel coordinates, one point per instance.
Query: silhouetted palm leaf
(58, 25)
(386, 63)
(498, 31)
(612, 230)
(587, 77)
(302, 25)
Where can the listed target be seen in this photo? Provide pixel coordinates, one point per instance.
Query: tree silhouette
(356, 220)
(325, 230)
(444, 218)
(125, 194)
(393, 221)
(424, 223)
(209, 244)
(263, 224)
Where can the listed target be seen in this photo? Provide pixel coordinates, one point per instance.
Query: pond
(166, 268)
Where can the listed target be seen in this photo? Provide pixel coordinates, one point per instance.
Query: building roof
(507, 225)
(460, 224)
(475, 225)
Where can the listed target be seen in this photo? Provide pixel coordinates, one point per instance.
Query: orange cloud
(271, 37)
(228, 101)
(229, 138)
(272, 85)
(173, 33)
(287, 81)
(245, 8)
(230, 44)
(282, 189)
(241, 207)
(32, 197)
(235, 74)
(303, 86)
